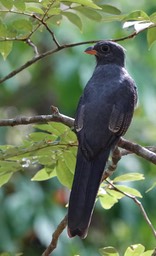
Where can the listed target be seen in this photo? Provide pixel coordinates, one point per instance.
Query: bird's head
(107, 52)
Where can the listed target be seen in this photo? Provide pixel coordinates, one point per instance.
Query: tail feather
(88, 175)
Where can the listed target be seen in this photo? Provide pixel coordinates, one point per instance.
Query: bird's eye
(105, 48)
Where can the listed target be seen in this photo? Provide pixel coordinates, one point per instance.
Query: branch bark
(147, 153)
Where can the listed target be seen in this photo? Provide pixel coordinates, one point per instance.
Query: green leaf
(7, 3)
(73, 18)
(70, 160)
(108, 251)
(35, 8)
(114, 193)
(152, 187)
(110, 9)
(131, 191)
(20, 5)
(153, 17)
(151, 36)
(3, 30)
(135, 250)
(129, 177)
(5, 178)
(137, 15)
(63, 173)
(22, 26)
(5, 48)
(87, 3)
(44, 174)
(54, 11)
(148, 253)
(89, 13)
(107, 201)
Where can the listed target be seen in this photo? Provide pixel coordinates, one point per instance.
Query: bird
(103, 115)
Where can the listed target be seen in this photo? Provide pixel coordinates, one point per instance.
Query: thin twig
(30, 43)
(55, 237)
(137, 203)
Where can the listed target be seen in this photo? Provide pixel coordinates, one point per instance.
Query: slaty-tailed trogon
(104, 114)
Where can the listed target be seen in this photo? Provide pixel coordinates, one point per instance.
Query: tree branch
(55, 237)
(132, 147)
(137, 202)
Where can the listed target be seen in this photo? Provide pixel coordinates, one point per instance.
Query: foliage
(49, 151)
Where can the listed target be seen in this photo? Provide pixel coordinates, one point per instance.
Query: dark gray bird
(104, 114)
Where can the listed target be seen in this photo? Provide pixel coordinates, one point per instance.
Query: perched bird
(104, 114)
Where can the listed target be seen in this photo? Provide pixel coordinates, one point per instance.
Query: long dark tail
(88, 175)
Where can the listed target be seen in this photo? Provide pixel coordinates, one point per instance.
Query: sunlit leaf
(115, 194)
(89, 13)
(151, 36)
(131, 191)
(135, 250)
(108, 251)
(5, 48)
(44, 174)
(110, 9)
(138, 25)
(129, 177)
(63, 173)
(148, 253)
(70, 160)
(87, 3)
(107, 201)
(73, 18)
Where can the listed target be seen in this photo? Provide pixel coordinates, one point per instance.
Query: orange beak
(90, 50)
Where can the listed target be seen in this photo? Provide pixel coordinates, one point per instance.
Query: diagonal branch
(137, 202)
(55, 237)
(147, 153)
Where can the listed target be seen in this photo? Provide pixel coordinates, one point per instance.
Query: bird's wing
(79, 116)
(122, 110)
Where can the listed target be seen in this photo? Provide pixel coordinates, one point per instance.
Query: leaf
(138, 25)
(129, 177)
(151, 36)
(73, 18)
(114, 193)
(44, 174)
(54, 11)
(107, 201)
(135, 250)
(87, 3)
(20, 5)
(7, 3)
(5, 48)
(89, 13)
(63, 173)
(110, 9)
(70, 160)
(22, 26)
(153, 17)
(148, 253)
(108, 251)
(137, 15)
(35, 8)
(5, 178)
(3, 30)
(131, 191)
(152, 187)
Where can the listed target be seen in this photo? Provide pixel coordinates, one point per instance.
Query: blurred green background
(30, 211)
